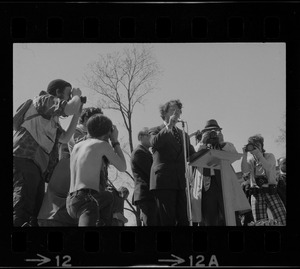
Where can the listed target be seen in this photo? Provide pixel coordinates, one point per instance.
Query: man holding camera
(86, 191)
(212, 205)
(35, 147)
(263, 185)
(53, 211)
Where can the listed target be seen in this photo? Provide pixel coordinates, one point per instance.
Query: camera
(212, 138)
(83, 99)
(261, 180)
(250, 147)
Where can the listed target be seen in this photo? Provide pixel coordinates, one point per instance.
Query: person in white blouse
(263, 184)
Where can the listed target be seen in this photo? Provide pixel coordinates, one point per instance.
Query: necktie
(206, 178)
(206, 182)
(176, 134)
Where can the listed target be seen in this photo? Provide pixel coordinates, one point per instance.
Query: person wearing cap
(211, 204)
(263, 184)
(281, 179)
(141, 162)
(167, 175)
(35, 147)
(81, 129)
(87, 191)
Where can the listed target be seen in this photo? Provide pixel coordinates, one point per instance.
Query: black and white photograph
(149, 134)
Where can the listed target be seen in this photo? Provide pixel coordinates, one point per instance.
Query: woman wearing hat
(207, 195)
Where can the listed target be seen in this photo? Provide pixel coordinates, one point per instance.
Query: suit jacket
(141, 161)
(168, 168)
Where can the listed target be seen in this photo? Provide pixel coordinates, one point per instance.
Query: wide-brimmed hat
(211, 124)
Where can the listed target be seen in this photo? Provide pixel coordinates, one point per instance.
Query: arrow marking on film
(177, 261)
(42, 261)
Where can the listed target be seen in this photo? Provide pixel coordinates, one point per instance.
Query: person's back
(84, 199)
(86, 162)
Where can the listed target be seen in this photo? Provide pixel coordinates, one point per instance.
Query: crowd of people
(60, 177)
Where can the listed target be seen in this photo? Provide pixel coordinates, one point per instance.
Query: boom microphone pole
(186, 178)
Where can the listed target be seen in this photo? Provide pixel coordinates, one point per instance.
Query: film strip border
(127, 247)
(150, 22)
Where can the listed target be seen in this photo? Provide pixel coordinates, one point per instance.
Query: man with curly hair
(167, 176)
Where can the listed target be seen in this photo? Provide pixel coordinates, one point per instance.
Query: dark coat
(141, 161)
(168, 168)
(281, 188)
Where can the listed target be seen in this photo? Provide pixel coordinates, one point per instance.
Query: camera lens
(213, 134)
(250, 147)
(83, 99)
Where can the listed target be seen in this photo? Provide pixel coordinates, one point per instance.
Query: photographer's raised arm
(74, 104)
(73, 107)
(266, 164)
(245, 167)
(115, 156)
(66, 136)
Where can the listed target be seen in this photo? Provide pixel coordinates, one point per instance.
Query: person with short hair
(53, 211)
(263, 185)
(81, 129)
(167, 176)
(141, 162)
(112, 203)
(35, 147)
(85, 165)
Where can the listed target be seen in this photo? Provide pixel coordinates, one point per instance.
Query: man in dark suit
(167, 179)
(141, 161)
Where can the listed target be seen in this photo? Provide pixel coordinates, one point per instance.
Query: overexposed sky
(241, 85)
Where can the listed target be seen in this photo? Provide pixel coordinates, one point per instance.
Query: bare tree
(123, 80)
(281, 139)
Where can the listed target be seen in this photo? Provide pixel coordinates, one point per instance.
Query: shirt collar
(144, 147)
(165, 123)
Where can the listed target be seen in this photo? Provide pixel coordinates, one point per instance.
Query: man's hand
(205, 136)
(76, 91)
(220, 136)
(174, 118)
(255, 153)
(114, 134)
